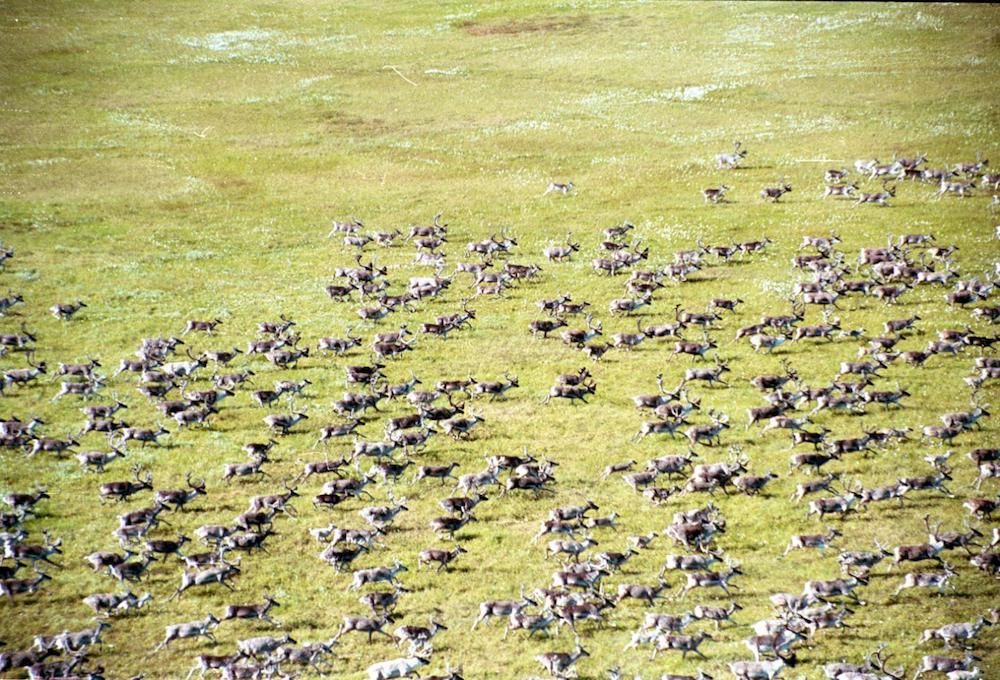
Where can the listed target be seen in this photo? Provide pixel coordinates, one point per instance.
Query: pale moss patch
(252, 46)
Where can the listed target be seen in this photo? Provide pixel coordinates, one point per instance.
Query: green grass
(172, 161)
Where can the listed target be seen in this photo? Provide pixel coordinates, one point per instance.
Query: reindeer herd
(413, 434)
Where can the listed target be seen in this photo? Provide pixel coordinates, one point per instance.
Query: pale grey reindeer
(560, 253)
(955, 632)
(732, 160)
(560, 188)
(189, 630)
(936, 580)
(560, 664)
(495, 608)
(880, 198)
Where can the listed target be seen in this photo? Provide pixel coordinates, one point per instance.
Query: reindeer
(13, 299)
(572, 548)
(821, 590)
(680, 643)
(35, 553)
(545, 326)
(952, 632)
(818, 541)
(937, 580)
(582, 337)
(231, 470)
(651, 427)
(80, 640)
(121, 491)
(282, 423)
(108, 603)
(506, 608)
(143, 435)
(715, 195)
(760, 341)
(710, 433)
(560, 253)
(189, 630)
(709, 375)
(259, 612)
(774, 194)
(22, 376)
(840, 505)
(400, 668)
(944, 664)
(560, 664)
(181, 497)
(339, 346)
(276, 502)
(813, 486)
(710, 580)
(732, 160)
(571, 392)
(82, 370)
(840, 190)
(12, 587)
(346, 227)
(757, 670)
(559, 188)
(880, 198)
(443, 557)
(49, 445)
(962, 189)
(194, 325)
(382, 516)
(529, 622)
(987, 470)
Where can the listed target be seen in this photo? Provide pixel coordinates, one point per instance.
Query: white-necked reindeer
(559, 188)
(731, 160)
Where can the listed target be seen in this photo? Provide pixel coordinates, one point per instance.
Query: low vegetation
(196, 171)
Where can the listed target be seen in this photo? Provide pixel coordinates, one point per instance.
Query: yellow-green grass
(168, 161)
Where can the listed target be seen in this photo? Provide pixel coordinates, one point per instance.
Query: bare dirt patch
(518, 26)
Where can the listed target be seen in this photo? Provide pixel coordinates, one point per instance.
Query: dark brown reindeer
(143, 435)
(695, 349)
(121, 491)
(571, 392)
(181, 497)
(30, 586)
(545, 326)
(443, 558)
(774, 194)
(253, 612)
(35, 553)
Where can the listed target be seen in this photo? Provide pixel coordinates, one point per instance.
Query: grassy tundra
(175, 161)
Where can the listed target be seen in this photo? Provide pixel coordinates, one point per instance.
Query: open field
(173, 161)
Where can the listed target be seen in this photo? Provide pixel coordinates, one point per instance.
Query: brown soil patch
(517, 26)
